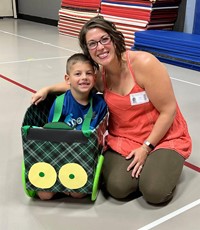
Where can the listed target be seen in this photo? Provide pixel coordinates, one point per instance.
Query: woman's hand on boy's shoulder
(39, 96)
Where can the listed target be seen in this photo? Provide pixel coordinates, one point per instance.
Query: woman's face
(100, 46)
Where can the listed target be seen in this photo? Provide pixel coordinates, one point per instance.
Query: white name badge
(139, 98)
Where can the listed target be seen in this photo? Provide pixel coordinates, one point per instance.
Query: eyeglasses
(105, 40)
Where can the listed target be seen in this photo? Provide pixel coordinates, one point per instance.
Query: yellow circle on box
(42, 175)
(73, 176)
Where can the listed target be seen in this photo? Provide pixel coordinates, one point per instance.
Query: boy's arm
(41, 94)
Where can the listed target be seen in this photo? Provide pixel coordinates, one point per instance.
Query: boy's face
(81, 77)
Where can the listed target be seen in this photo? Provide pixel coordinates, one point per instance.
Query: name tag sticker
(139, 98)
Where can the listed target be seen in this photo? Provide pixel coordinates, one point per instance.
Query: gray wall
(189, 16)
(40, 8)
(179, 24)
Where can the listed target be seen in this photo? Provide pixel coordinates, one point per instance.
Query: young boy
(80, 76)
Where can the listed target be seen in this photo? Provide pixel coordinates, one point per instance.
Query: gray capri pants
(156, 182)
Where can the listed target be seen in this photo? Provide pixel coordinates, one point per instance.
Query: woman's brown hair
(99, 22)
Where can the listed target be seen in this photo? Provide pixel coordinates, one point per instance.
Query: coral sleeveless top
(132, 118)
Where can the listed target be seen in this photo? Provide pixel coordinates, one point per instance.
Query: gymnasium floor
(33, 55)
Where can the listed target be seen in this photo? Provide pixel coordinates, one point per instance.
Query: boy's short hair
(78, 57)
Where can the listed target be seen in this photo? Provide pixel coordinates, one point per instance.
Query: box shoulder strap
(87, 120)
(58, 107)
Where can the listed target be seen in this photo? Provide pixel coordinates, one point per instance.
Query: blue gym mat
(172, 47)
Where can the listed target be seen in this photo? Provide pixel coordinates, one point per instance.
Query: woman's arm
(61, 87)
(41, 94)
(155, 79)
(152, 75)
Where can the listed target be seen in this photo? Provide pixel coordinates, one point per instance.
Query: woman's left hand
(139, 157)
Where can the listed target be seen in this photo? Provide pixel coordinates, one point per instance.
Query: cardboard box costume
(57, 159)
